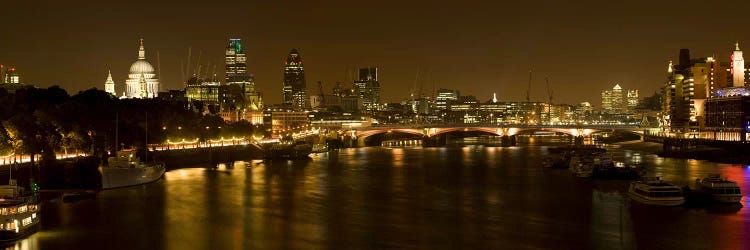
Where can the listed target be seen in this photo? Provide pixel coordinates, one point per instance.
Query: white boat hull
(726, 198)
(676, 201)
(116, 177)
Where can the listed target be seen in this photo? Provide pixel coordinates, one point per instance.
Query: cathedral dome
(142, 81)
(141, 67)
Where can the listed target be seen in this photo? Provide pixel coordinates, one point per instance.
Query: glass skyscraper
(295, 88)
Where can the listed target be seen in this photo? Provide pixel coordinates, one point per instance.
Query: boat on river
(720, 190)
(619, 171)
(19, 212)
(556, 162)
(653, 191)
(584, 164)
(298, 150)
(581, 166)
(580, 156)
(125, 170)
(577, 149)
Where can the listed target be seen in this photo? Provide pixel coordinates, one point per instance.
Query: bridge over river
(429, 131)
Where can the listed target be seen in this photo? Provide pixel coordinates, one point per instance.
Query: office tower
(445, 97)
(612, 100)
(295, 88)
(235, 62)
(368, 88)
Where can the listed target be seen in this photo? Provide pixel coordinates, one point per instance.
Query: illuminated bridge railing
(495, 125)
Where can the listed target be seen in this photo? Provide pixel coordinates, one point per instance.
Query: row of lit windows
(19, 209)
(13, 225)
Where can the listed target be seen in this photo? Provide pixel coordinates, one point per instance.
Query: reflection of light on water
(181, 174)
(491, 151)
(31, 242)
(398, 157)
(692, 163)
(658, 160)
(608, 210)
(636, 158)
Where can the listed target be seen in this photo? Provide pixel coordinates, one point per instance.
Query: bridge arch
(438, 131)
(367, 133)
(567, 131)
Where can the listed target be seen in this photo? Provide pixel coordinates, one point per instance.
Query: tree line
(45, 121)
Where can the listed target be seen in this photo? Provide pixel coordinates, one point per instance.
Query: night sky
(479, 47)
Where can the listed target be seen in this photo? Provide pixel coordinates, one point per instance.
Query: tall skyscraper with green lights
(236, 63)
(236, 74)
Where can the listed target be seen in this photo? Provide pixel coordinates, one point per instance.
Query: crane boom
(528, 89)
(320, 91)
(549, 94)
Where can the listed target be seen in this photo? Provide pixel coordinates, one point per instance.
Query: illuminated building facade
(717, 75)
(445, 97)
(691, 84)
(295, 88)
(205, 94)
(9, 79)
(142, 81)
(282, 121)
(728, 115)
(737, 69)
(10, 76)
(368, 88)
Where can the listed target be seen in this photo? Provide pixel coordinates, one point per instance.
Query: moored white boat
(720, 190)
(653, 191)
(19, 212)
(126, 170)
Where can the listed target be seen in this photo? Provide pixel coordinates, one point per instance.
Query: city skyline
(492, 45)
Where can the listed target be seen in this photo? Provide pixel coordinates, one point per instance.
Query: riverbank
(701, 153)
(82, 173)
(181, 158)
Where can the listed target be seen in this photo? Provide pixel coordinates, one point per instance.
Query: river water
(471, 197)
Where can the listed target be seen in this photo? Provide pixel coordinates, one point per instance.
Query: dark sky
(479, 47)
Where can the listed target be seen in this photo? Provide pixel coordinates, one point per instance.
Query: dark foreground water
(470, 197)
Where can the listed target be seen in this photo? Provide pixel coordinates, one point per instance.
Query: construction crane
(528, 89)
(549, 107)
(414, 88)
(320, 91)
